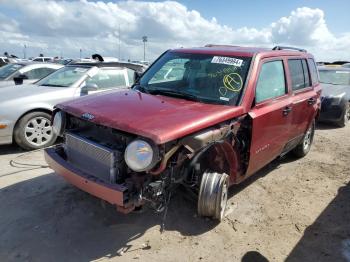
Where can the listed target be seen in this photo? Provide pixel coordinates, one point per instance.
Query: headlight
(58, 123)
(140, 156)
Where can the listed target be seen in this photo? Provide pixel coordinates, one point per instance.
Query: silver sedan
(25, 72)
(25, 110)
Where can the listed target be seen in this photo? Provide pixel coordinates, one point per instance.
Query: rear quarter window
(313, 71)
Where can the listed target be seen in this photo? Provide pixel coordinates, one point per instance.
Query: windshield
(9, 69)
(200, 77)
(335, 77)
(64, 77)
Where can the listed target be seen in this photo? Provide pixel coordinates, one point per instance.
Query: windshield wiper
(175, 94)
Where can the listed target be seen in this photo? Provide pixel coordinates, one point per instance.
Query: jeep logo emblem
(88, 116)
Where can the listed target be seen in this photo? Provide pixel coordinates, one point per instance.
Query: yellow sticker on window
(233, 82)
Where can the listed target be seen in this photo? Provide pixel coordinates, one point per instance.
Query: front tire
(212, 198)
(34, 131)
(303, 148)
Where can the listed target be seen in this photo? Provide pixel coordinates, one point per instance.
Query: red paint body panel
(156, 117)
(108, 192)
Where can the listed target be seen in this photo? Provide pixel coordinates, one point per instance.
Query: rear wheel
(34, 131)
(212, 199)
(346, 116)
(304, 146)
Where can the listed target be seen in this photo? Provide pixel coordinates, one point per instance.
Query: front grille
(93, 158)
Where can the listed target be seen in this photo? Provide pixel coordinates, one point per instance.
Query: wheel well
(44, 110)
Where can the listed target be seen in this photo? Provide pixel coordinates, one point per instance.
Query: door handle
(311, 101)
(287, 110)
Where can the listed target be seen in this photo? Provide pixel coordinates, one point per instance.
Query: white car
(43, 59)
(25, 72)
(4, 60)
(25, 110)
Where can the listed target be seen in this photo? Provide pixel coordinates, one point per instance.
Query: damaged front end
(130, 171)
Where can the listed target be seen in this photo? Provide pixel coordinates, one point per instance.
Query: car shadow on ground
(328, 238)
(326, 126)
(263, 172)
(10, 149)
(46, 219)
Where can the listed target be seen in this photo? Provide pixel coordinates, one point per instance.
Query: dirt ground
(294, 210)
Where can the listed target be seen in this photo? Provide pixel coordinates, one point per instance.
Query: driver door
(271, 115)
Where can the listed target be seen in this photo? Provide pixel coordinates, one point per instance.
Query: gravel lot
(294, 210)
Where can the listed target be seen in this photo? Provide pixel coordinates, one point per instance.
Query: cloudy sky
(64, 27)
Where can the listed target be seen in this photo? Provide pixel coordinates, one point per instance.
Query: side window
(39, 73)
(108, 78)
(271, 82)
(299, 74)
(313, 71)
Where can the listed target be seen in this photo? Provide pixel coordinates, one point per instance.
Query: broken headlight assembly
(141, 155)
(58, 123)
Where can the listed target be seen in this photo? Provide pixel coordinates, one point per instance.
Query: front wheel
(304, 146)
(346, 116)
(34, 131)
(212, 198)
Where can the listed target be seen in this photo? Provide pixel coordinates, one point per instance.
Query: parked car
(230, 112)
(63, 61)
(25, 72)
(347, 65)
(335, 83)
(4, 61)
(43, 59)
(25, 111)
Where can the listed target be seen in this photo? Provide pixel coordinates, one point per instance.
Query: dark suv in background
(201, 118)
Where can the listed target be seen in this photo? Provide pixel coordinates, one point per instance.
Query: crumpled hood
(156, 117)
(334, 90)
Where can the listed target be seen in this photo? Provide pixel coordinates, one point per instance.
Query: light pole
(144, 40)
(80, 52)
(25, 52)
(119, 43)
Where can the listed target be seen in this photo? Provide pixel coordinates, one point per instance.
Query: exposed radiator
(92, 158)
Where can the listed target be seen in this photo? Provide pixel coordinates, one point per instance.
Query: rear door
(304, 97)
(271, 115)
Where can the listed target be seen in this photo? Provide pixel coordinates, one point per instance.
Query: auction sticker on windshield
(227, 60)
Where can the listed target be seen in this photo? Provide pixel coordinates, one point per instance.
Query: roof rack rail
(214, 45)
(288, 48)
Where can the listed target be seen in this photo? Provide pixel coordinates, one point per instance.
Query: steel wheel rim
(38, 131)
(307, 139)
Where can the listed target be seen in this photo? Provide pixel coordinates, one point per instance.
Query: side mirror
(137, 76)
(88, 88)
(19, 79)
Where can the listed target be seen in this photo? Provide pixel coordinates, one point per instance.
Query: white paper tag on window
(224, 98)
(227, 60)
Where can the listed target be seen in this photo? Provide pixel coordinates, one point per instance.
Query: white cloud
(52, 27)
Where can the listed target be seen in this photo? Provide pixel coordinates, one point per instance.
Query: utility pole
(144, 40)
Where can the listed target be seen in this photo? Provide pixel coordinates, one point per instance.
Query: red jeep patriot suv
(203, 118)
